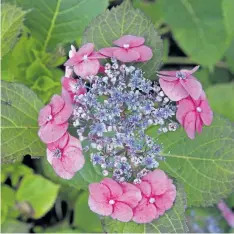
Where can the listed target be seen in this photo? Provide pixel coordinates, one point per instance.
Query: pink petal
(189, 124)
(131, 195)
(108, 51)
(72, 51)
(101, 69)
(122, 212)
(168, 75)
(174, 90)
(44, 113)
(190, 72)
(115, 188)
(158, 181)
(145, 212)
(198, 124)
(68, 71)
(130, 40)
(56, 103)
(73, 141)
(60, 143)
(76, 59)
(145, 53)
(68, 97)
(73, 159)
(145, 188)
(69, 83)
(60, 170)
(126, 56)
(192, 86)
(184, 106)
(87, 68)
(96, 55)
(206, 113)
(165, 201)
(86, 49)
(99, 192)
(51, 132)
(49, 155)
(99, 207)
(64, 114)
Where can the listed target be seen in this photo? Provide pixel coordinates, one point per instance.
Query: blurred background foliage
(36, 37)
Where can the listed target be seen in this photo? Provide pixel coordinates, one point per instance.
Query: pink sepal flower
(158, 195)
(65, 156)
(71, 88)
(130, 49)
(85, 61)
(193, 114)
(110, 198)
(180, 84)
(53, 119)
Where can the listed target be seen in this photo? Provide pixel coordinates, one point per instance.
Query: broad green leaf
(228, 9)
(230, 56)
(206, 220)
(7, 195)
(20, 107)
(56, 21)
(173, 221)
(203, 76)
(204, 165)
(84, 218)
(12, 18)
(151, 9)
(123, 20)
(37, 192)
(192, 24)
(221, 99)
(15, 226)
(230, 200)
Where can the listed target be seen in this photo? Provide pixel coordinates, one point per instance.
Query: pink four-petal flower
(65, 155)
(180, 84)
(193, 114)
(110, 198)
(130, 49)
(53, 119)
(158, 195)
(85, 61)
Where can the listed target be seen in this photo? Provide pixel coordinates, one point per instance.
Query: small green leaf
(204, 165)
(7, 195)
(173, 221)
(12, 24)
(124, 20)
(15, 226)
(84, 218)
(221, 99)
(194, 29)
(39, 193)
(20, 108)
(57, 21)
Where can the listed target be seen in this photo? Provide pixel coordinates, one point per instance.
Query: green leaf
(15, 226)
(151, 9)
(230, 56)
(204, 77)
(228, 9)
(173, 221)
(20, 108)
(221, 99)
(194, 29)
(122, 20)
(56, 21)
(206, 220)
(7, 195)
(84, 218)
(12, 24)
(39, 193)
(204, 165)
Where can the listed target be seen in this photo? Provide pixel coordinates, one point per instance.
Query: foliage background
(36, 36)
